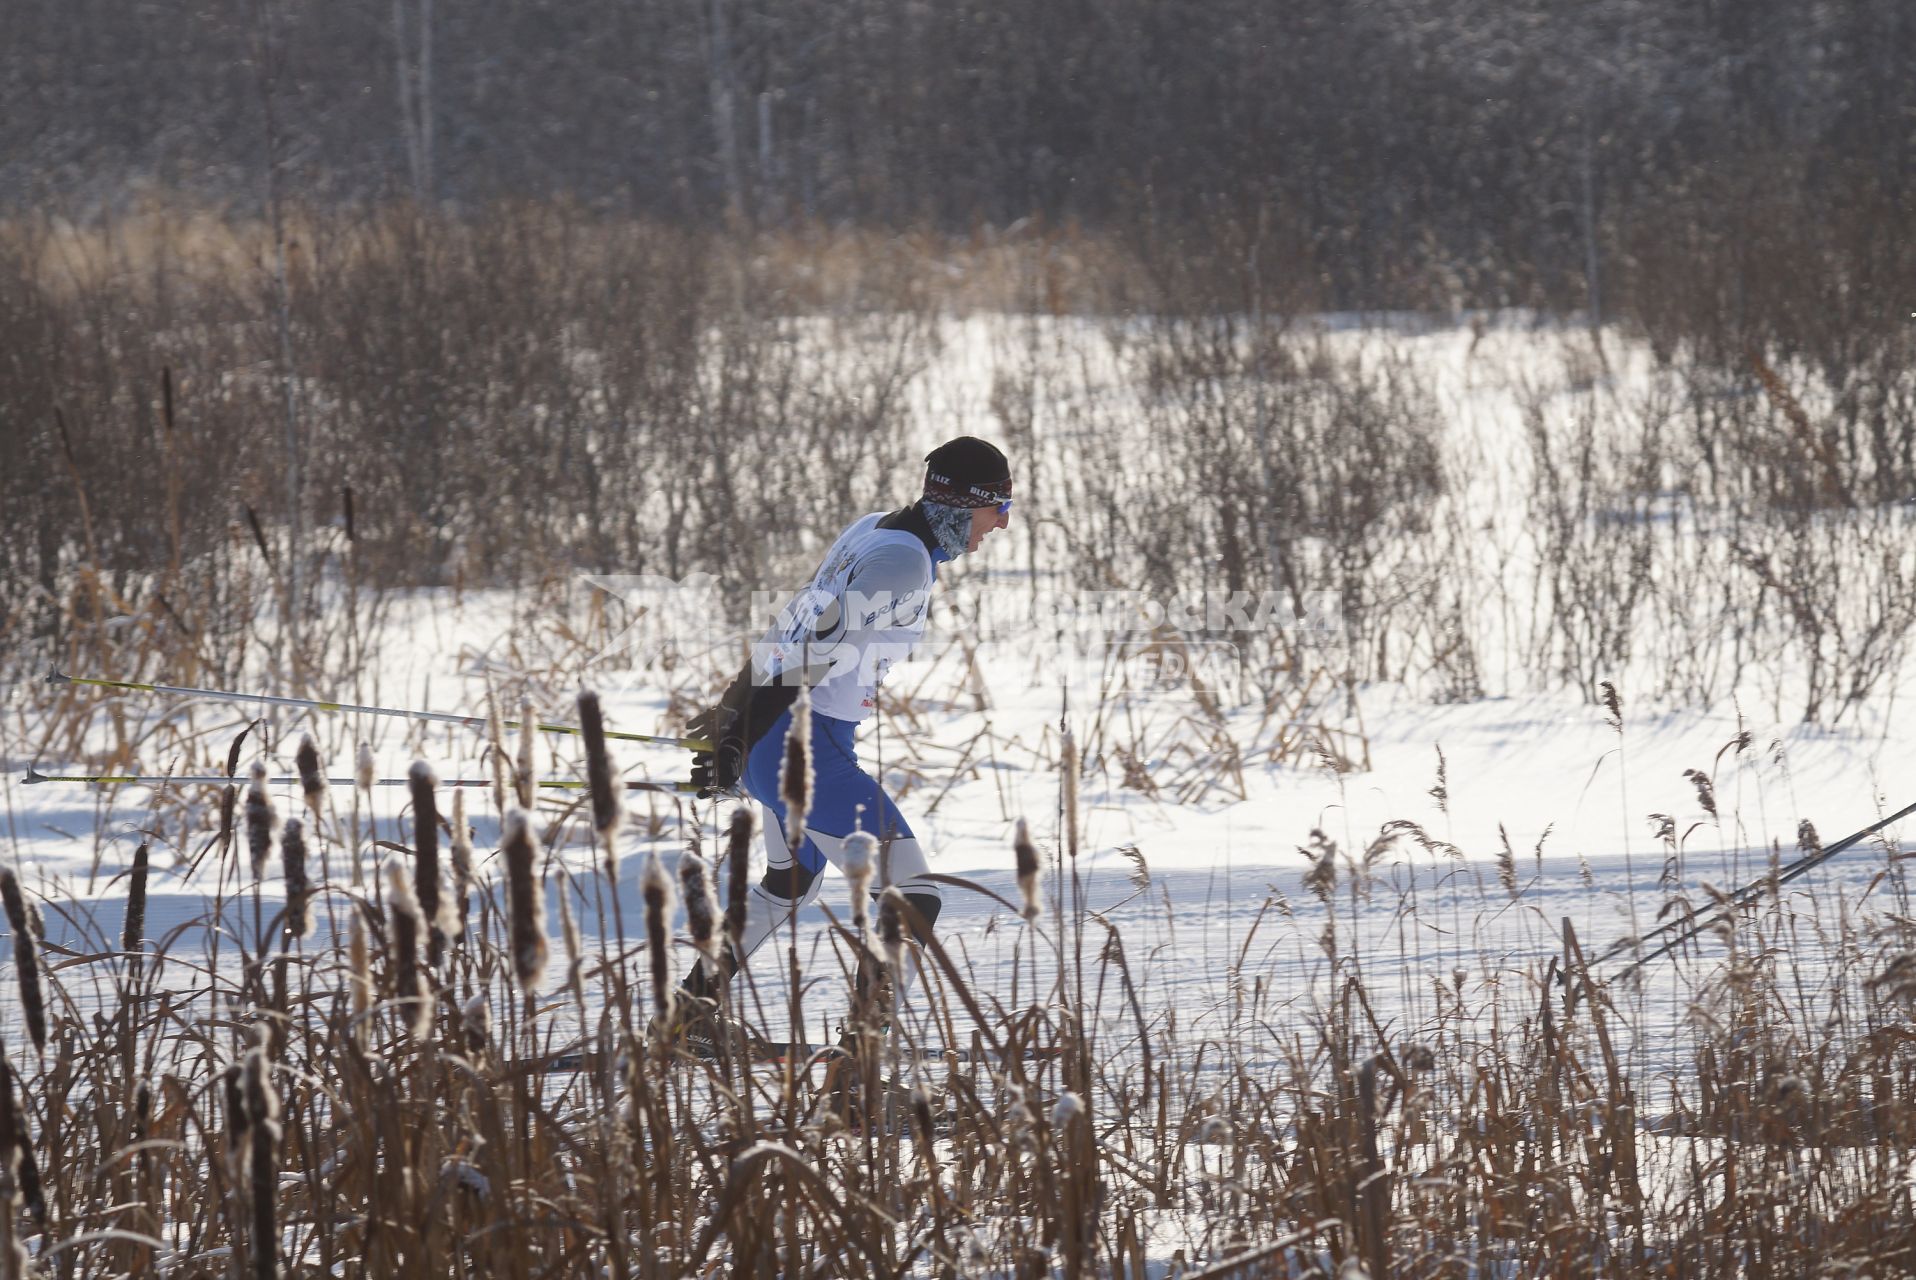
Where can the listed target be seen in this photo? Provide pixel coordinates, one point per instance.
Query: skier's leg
(844, 799)
(786, 888)
(847, 799)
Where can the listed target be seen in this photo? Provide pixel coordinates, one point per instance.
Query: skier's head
(967, 493)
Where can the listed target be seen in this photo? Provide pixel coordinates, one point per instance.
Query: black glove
(719, 768)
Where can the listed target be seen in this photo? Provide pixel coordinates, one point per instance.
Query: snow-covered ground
(1533, 809)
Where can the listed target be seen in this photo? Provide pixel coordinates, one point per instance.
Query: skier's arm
(886, 593)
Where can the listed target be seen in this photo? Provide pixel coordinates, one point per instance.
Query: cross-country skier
(863, 611)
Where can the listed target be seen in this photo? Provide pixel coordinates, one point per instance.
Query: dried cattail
(16, 1143)
(860, 864)
(299, 889)
(738, 862)
(1441, 791)
(701, 908)
(891, 927)
(1029, 889)
(574, 943)
(463, 876)
(360, 974)
(363, 774)
(607, 812)
(26, 957)
(1068, 765)
(133, 933)
(425, 825)
(525, 900)
(408, 922)
(1806, 838)
(260, 820)
(229, 795)
(229, 802)
(528, 774)
(262, 1115)
(477, 1017)
(921, 1115)
(239, 1122)
(256, 1081)
(312, 785)
(655, 889)
(795, 773)
(496, 746)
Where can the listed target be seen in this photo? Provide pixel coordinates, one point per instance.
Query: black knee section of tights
(927, 905)
(790, 883)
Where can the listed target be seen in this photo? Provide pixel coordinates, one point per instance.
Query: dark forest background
(1415, 152)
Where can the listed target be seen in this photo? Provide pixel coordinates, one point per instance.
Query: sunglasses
(1004, 508)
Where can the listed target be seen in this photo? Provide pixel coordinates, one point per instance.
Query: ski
(1685, 928)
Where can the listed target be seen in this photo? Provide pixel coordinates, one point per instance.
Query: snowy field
(1536, 817)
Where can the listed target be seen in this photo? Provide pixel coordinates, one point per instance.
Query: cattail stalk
(462, 865)
(1029, 885)
(229, 802)
(607, 813)
(312, 784)
(292, 853)
(425, 824)
(655, 888)
(16, 1145)
(260, 819)
(360, 975)
(861, 863)
(891, 928)
(738, 861)
(26, 957)
(477, 1019)
(795, 774)
(313, 789)
(261, 1101)
(239, 1124)
(496, 741)
(528, 775)
(363, 777)
(1069, 764)
(701, 909)
(574, 945)
(133, 932)
(525, 900)
(408, 922)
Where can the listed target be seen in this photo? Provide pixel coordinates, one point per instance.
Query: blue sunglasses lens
(1004, 508)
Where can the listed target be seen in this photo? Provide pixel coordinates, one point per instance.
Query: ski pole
(56, 676)
(1688, 927)
(34, 776)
